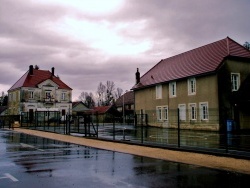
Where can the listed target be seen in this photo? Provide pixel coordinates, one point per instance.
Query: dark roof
(202, 60)
(36, 78)
(128, 99)
(76, 103)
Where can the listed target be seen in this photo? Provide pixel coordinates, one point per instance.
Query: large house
(206, 88)
(39, 90)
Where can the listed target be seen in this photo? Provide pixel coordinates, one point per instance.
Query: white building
(39, 90)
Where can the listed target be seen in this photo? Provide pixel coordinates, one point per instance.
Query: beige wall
(14, 102)
(206, 91)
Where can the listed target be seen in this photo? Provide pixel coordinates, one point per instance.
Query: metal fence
(138, 132)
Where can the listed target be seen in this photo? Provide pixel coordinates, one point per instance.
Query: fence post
(135, 119)
(141, 126)
(97, 124)
(178, 120)
(113, 128)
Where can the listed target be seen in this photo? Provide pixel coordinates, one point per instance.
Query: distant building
(209, 85)
(126, 102)
(79, 108)
(106, 114)
(39, 90)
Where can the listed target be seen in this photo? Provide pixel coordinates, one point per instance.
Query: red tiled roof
(101, 109)
(198, 61)
(38, 76)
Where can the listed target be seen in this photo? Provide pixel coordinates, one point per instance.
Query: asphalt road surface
(29, 161)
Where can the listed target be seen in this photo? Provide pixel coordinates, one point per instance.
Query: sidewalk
(210, 161)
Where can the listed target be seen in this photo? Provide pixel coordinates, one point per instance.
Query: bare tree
(87, 99)
(118, 93)
(247, 45)
(3, 99)
(101, 94)
(109, 94)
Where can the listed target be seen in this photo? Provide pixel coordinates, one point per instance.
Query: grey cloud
(171, 26)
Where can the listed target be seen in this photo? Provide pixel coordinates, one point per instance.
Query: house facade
(39, 90)
(198, 89)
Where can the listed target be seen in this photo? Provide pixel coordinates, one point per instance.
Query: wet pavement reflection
(28, 161)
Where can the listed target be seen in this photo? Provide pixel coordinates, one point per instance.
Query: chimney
(53, 71)
(31, 70)
(137, 76)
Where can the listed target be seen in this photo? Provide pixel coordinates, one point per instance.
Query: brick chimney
(31, 70)
(137, 76)
(53, 71)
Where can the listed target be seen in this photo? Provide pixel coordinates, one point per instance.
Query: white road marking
(7, 175)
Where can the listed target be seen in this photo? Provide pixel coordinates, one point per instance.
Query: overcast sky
(92, 41)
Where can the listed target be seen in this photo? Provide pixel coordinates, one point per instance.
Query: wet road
(28, 161)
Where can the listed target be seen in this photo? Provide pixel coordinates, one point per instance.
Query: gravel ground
(210, 161)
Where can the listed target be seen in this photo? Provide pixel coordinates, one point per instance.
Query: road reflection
(59, 164)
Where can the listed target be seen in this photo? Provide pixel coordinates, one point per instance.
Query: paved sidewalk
(210, 161)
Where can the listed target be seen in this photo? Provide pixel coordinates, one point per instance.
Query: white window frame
(172, 89)
(159, 113)
(204, 115)
(192, 111)
(191, 86)
(63, 96)
(235, 80)
(158, 91)
(182, 112)
(162, 113)
(31, 94)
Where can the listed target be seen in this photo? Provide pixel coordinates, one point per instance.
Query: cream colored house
(202, 88)
(39, 90)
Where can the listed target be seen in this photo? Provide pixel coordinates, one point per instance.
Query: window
(172, 89)
(47, 95)
(31, 94)
(162, 113)
(63, 96)
(204, 111)
(158, 89)
(165, 113)
(235, 80)
(192, 111)
(182, 112)
(191, 86)
(158, 113)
